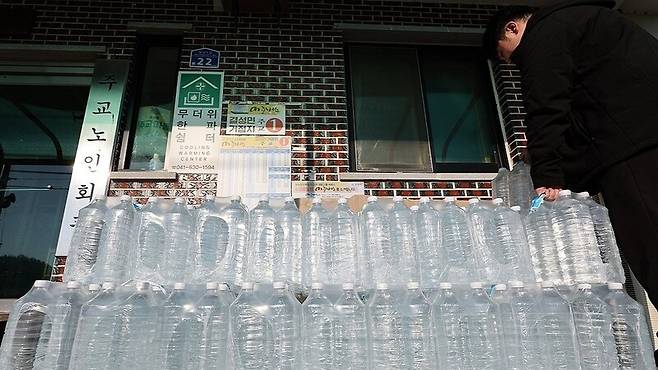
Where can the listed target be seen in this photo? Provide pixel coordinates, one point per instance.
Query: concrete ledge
(451, 176)
(143, 175)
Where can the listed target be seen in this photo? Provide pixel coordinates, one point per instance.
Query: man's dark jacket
(590, 78)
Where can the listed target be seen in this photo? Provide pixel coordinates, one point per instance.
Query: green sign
(200, 90)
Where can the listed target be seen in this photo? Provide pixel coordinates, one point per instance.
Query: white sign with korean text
(251, 166)
(93, 159)
(194, 139)
(327, 189)
(256, 119)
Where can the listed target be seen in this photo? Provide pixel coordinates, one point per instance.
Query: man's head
(505, 30)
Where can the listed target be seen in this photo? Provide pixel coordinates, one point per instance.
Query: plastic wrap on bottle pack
(85, 241)
(386, 329)
(180, 331)
(428, 241)
(542, 244)
(251, 335)
(350, 330)
(520, 186)
(501, 185)
(485, 249)
(179, 231)
(236, 216)
(347, 256)
(420, 346)
(284, 316)
(211, 240)
(512, 244)
(403, 243)
(377, 240)
(316, 225)
(288, 264)
(114, 249)
(213, 308)
(261, 250)
(448, 316)
(148, 243)
(138, 329)
(457, 244)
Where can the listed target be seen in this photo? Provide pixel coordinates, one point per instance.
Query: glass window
(157, 72)
(423, 108)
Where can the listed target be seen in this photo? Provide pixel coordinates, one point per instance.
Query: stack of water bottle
(514, 187)
(515, 326)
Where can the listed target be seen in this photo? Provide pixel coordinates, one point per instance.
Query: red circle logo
(274, 125)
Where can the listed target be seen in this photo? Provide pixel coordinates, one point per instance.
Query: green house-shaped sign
(200, 90)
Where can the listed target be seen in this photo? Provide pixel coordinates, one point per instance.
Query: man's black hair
(496, 27)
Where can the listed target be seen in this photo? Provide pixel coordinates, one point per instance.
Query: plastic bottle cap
(152, 200)
(342, 201)
(516, 208)
(289, 199)
(264, 198)
(211, 285)
(73, 285)
(445, 285)
(584, 286)
(317, 200)
(316, 286)
(348, 286)
(615, 286)
(125, 198)
(190, 207)
(279, 285)
(547, 284)
(108, 285)
(223, 287)
(498, 201)
(236, 198)
(179, 200)
(179, 286)
(425, 199)
(101, 197)
(372, 198)
(516, 284)
(210, 198)
(473, 201)
(414, 208)
(141, 285)
(564, 193)
(583, 194)
(413, 285)
(397, 199)
(476, 285)
(382, 286)
(247, 285)
(500, 287)
(41, 283)
(449, 199)
(94, 287)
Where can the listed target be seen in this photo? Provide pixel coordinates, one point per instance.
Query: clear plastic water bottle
(316, 224)
(237, 217)
(138, 330)
(347, 256)
(501, 185)
(178, 240)
(520, 185)
(512, 244)
(95, 344)
(420, 348)
(428, 241)
(542, 245)
(210, 242)
(285, 319)
(448, 315)
(250, 330)
(149, 241)
(605, 239)
(317, 330)
(403, 243)
(386, 330)
(181, 331)
(377, 240)
(58, 332)
(112, 261)
(483, 229)
(560, 347)
(508, 334)
(630, 330)
(213, 309)
(480, 330)
(457, 243)
(24, 326)
(288, 265)
(85, 240)
(527, 316)
(576, 241)
(594, 332)
(262, 243)
(351, 331)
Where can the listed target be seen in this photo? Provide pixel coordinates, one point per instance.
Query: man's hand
(551, 194)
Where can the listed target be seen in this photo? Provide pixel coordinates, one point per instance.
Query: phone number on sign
(193, 167)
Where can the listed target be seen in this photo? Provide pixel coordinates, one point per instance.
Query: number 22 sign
(204, 58)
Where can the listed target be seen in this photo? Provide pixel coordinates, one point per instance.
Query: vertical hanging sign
(194, 140)
(93, 159)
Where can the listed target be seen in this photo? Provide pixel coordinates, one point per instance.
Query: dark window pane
(460, 105)
(41, 122)
(155, 103)
(389, 120)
